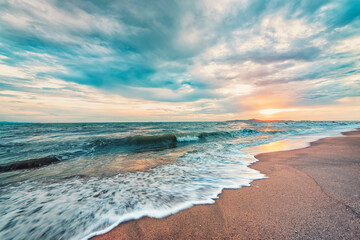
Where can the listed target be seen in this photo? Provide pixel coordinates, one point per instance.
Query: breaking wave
(168, 139)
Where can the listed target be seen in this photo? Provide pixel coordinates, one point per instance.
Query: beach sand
(311, 193)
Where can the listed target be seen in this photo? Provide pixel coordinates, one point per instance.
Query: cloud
(209, 56)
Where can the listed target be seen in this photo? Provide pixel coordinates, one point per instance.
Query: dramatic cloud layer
(179, 60)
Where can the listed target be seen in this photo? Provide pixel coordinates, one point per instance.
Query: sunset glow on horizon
(95, 61)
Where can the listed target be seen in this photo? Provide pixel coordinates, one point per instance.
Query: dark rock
(27, 164)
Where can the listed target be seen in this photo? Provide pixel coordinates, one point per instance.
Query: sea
(78, 180)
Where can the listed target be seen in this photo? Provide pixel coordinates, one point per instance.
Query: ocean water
(102, 174)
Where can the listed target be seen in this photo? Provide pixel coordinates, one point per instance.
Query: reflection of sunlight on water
(273, 146)
(276, 146)
(144, 161)
(293, 142)
(264, 136)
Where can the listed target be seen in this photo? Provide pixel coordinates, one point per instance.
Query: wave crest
(171, 140)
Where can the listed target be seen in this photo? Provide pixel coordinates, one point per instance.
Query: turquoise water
(102, 174)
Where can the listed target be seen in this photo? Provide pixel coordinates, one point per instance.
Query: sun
(271, 111)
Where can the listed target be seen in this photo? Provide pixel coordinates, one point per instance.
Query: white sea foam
(187, 138)
(93, 206)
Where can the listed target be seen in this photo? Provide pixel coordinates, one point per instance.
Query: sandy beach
(311, 193)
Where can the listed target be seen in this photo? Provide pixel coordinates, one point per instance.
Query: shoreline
(327, 203)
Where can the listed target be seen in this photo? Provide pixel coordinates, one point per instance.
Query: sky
(164, 60)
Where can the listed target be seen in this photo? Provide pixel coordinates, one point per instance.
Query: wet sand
(311, 193)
